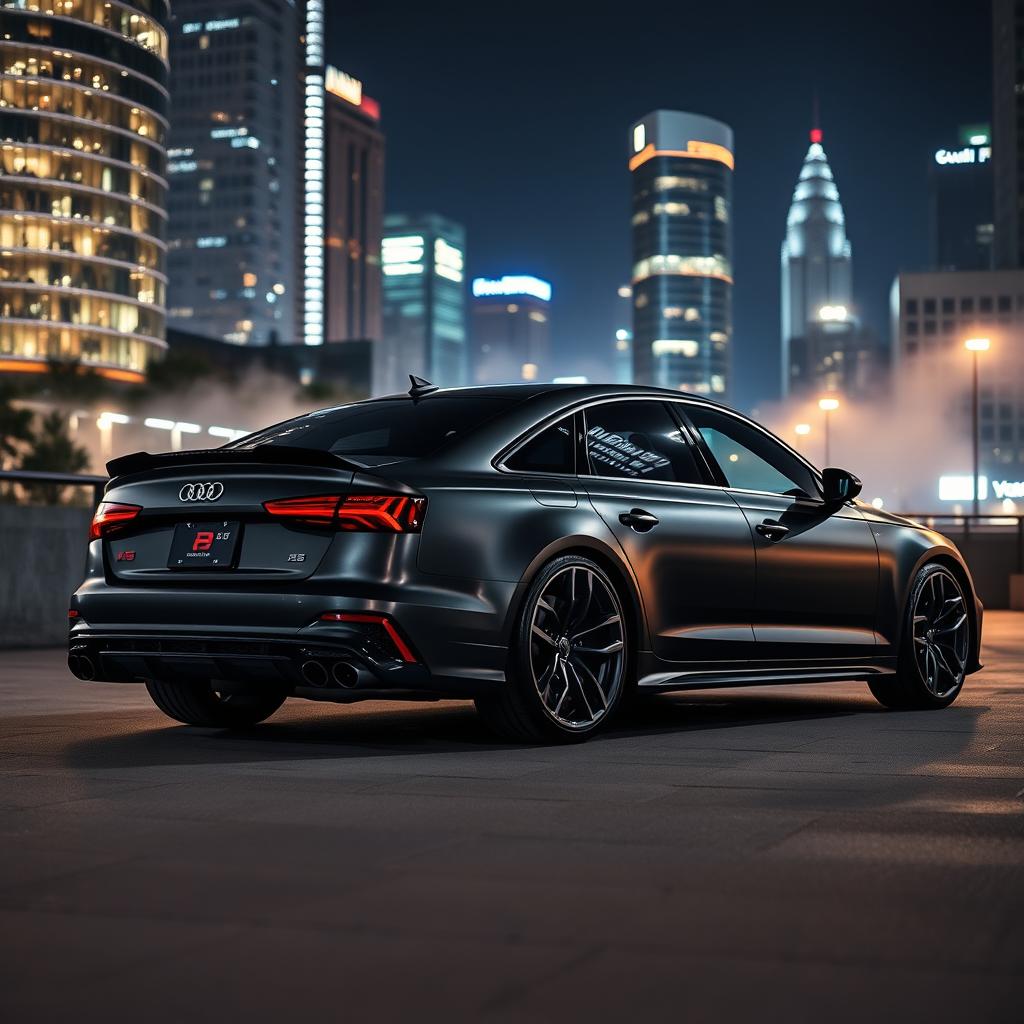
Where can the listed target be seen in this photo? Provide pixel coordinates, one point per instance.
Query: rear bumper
(265, 636)
(344, 665)
(336, 664)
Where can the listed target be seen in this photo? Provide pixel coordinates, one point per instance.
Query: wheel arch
(619, 572)
(950, 560)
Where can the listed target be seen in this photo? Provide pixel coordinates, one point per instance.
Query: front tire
(568, 660)
(198, 703)
(936, 645)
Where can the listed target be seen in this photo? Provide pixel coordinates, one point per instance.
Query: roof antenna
(420, 387)
(816, 133)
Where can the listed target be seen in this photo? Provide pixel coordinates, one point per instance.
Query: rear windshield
(394, 428)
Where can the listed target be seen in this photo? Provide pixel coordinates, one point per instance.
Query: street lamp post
(974, 346)
(828, 406)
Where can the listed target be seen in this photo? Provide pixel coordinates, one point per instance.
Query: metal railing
(970, 525)
(29, 476)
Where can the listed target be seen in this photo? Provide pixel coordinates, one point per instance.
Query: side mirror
(840, 486)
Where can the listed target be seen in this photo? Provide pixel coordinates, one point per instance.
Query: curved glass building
(682, 166)
(819, 333)
(83, 121)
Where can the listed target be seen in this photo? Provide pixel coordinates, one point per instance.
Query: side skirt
(701, 680)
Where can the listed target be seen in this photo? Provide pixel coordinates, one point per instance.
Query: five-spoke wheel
(577, 646)
(937, 645)
(568, 665)
(942, 633)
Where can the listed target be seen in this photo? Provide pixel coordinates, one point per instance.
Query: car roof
(571, 392)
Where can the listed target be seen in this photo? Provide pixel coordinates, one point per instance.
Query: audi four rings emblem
(209, 490)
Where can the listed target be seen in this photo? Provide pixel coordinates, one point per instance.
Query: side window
(750, 459)
(640, 441)
(551, 451)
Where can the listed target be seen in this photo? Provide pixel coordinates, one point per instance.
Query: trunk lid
(203, 518)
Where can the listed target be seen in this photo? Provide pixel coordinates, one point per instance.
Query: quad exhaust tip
(314, 673)
(81, 666)
(345, 674)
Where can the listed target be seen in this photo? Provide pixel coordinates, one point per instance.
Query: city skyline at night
(536, 174)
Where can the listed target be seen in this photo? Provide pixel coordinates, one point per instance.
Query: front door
(687, 542)
(817, 566)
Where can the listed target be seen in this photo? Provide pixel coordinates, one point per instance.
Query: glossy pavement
(787, 854)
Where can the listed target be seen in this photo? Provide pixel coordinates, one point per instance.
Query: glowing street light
(105, 422)
(828, 406)
(802, 429)
(974, 346)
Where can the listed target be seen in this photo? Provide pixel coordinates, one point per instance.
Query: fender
(609, 557)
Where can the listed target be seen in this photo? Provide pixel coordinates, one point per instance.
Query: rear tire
(568, 658)
(936, 645)
(198, 703)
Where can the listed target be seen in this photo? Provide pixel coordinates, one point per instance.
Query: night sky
(513, 119)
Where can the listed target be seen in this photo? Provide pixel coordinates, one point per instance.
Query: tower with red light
(819, 330)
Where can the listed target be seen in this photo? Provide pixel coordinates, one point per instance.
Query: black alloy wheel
(936, 648)
(569, 666)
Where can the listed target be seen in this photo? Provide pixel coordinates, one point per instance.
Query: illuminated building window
(672, 209)
(675, 347)
(668, 182)
(129, 24)
(641, 217)
(692, 266)
(59, 91)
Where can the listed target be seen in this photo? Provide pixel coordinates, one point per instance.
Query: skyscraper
(622, 361)
(423, 260)
(960, 202)
(511, 329)
(819, 332)
(83, 121)
(681, 168)
(354, 161)
(1007, 133)
(235, 168)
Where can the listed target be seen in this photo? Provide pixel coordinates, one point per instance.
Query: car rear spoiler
(264, 454)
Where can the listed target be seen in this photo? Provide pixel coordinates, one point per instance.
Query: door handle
(772, 530)
(638, 520)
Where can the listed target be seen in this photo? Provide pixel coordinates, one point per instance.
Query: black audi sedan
(548, 551)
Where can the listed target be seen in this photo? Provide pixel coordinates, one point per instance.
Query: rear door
(817, 566)
(688, 542)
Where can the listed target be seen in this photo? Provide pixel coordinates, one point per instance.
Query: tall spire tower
(817, 275)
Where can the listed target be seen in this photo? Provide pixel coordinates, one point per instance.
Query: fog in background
(258, 399)
(900, 442)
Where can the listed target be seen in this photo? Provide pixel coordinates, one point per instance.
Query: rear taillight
(375, 513)
(110, 516)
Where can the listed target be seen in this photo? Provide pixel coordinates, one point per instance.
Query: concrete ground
(794, 854)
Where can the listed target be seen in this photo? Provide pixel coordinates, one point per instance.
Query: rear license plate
(204, 545)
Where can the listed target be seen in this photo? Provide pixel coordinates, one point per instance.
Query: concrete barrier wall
(42, 561)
